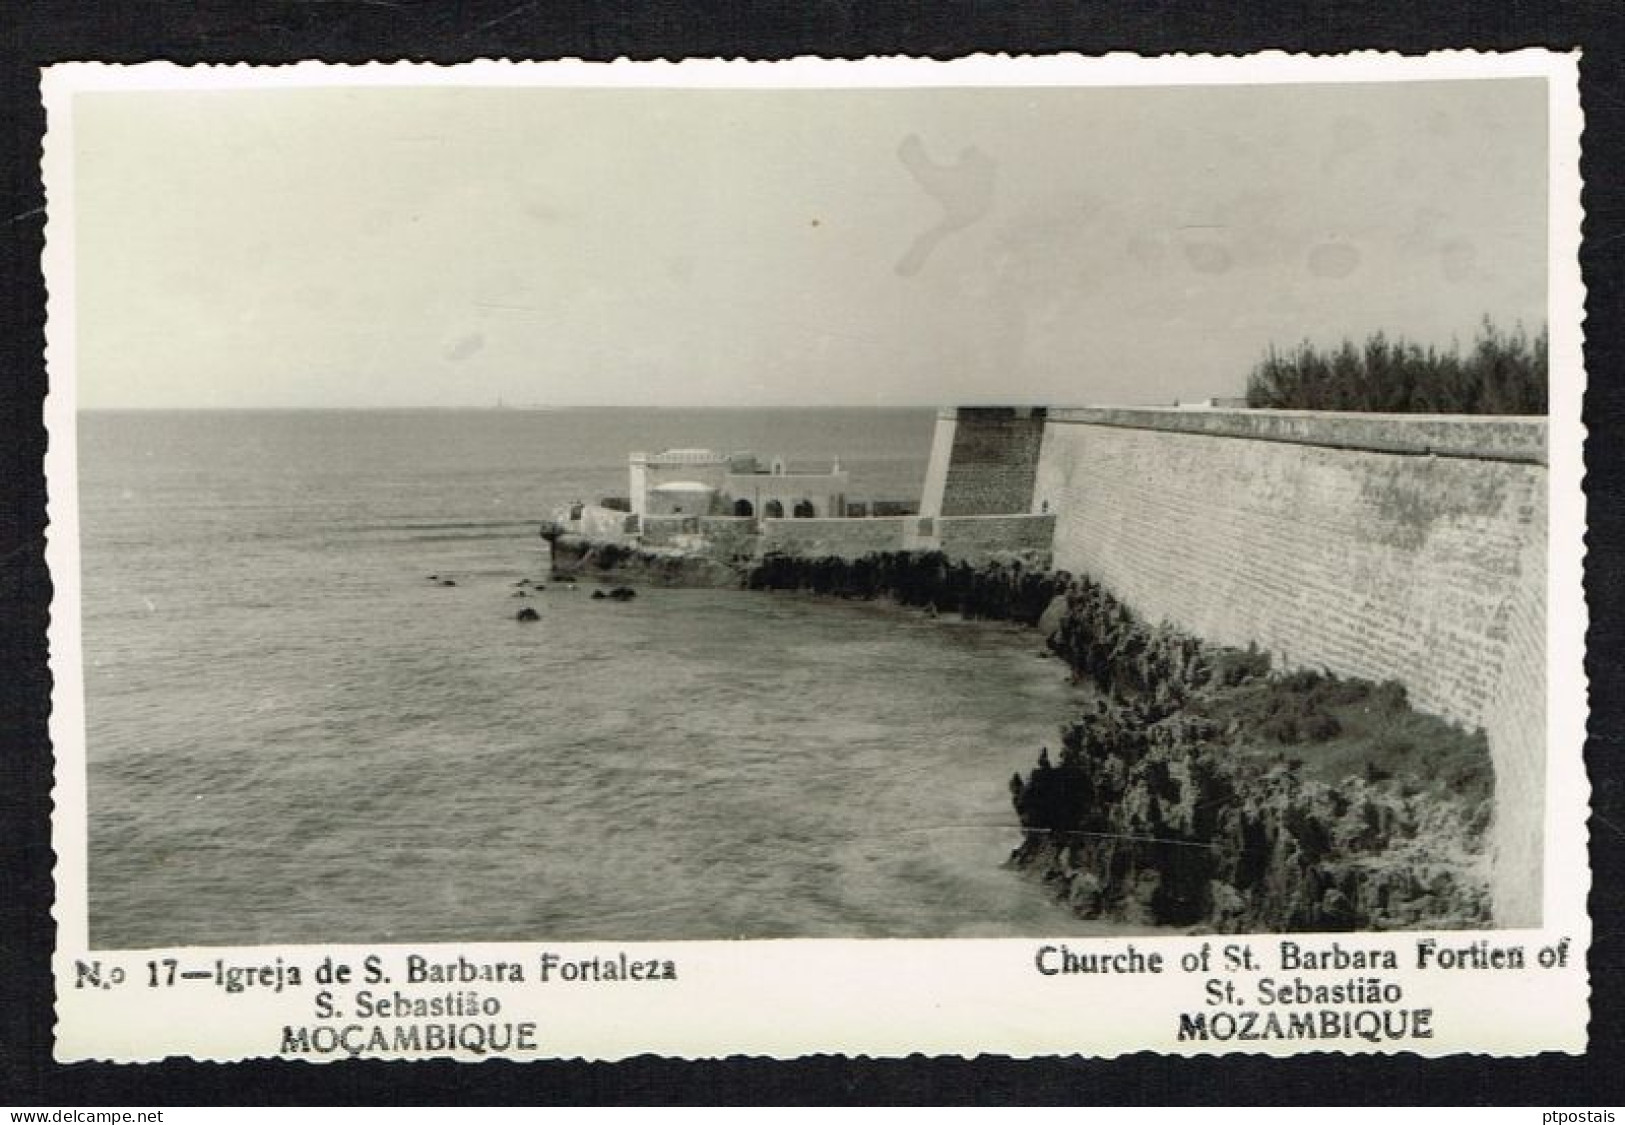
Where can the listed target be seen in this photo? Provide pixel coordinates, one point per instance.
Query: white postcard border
(788, 998)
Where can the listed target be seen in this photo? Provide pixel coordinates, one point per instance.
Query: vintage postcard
(1013, 556)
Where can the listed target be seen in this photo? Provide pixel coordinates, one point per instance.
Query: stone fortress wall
(1385, 547)
(836, 538)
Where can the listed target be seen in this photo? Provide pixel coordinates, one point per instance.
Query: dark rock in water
(447, 582)
(623, 593)
(1166, 823)
(519, 594)
(522, 582)
(527, 614)
(598, 595)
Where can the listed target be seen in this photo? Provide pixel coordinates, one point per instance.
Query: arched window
(804, 510)
(774, 510)
(743, 508)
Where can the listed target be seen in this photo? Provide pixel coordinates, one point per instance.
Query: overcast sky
(446, 247)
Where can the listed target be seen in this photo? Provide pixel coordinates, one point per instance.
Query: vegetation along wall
(1385, 547)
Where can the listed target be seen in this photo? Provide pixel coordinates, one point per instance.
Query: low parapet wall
(968, 538)
(842, 538)
(604, 525)
(1479, 437)
(729, 537)
(982, 460)
(961, 538)
(665, 531)
(977, 538)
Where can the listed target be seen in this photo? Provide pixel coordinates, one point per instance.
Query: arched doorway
(743, 508)
(804, 510)
(774, 510)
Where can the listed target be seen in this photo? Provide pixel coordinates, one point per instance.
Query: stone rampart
(728, 537)
(977, 538)
(597, 522)
(983, 460)
(1479, 438)
(970, 538)
(1381, 547)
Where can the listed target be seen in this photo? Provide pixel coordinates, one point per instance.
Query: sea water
(296, 734)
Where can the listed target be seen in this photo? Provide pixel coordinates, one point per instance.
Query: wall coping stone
(1482, 437)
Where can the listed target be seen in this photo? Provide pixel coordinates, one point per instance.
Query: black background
(35, 33)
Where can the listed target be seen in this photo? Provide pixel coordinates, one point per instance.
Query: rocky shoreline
(1198, 788)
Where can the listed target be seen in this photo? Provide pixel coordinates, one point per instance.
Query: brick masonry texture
(842, 538)
(718, 537)
(729, 536)
(975, 538)
(1427, 569)
(1480, 438)
(663, 531)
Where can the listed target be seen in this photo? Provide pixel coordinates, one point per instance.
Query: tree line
(1501, 373)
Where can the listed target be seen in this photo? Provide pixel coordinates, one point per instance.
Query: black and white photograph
(643, 510)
